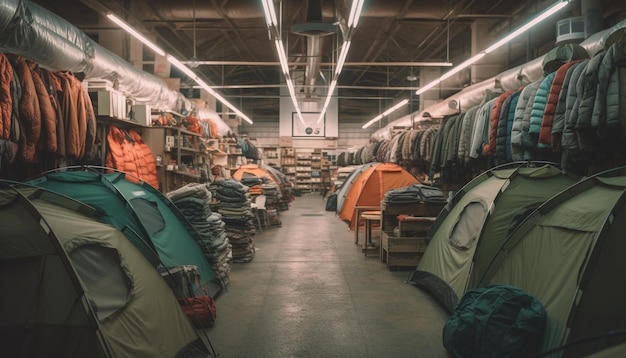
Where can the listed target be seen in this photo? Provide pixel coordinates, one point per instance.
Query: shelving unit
(288, 163)
(271, 155)
(303, 173)
(183, 157)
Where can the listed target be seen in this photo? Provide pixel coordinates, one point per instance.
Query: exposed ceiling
(230, 40)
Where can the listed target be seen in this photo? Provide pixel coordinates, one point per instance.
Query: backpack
(495, 321)
(331, 202)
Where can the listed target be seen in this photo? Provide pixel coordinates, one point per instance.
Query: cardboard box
(109, 103)
(142, 114)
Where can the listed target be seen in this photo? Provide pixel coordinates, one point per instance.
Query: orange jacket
(6, 101)
(48, 139)
(29, 113)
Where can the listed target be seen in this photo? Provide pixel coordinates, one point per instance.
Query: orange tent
(369, 188)
(249, 170)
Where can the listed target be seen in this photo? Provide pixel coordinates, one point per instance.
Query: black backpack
(331, 202)
(495, 321)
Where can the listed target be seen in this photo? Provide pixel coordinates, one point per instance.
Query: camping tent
(142, 213)
(75, 287)
(569, 254)
(369, 188)
(255, 171)
(342, 193)
(470, 229)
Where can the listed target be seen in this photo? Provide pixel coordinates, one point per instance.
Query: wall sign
(313, 126)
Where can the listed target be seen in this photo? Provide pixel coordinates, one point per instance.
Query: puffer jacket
(6, 101)
(545, 132)
(438, 144)
(480, 131)
(539, 106)
(144, 160)
(503, 131)
(426, 143)
(48, 139)
(611, 93)
(494, 116)
(452, 141)
(509, 125)
(517, 151)
(569, 139)
(558, 122)
(587, 88)
(68, 102)
(465, 138)
(29, 112)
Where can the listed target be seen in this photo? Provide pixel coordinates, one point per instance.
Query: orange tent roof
(370, 186)
(248, 170)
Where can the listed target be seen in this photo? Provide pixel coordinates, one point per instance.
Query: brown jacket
(29, 113)
(6, 101)
(48, 139)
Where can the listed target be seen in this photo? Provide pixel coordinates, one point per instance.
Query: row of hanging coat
(44, 116)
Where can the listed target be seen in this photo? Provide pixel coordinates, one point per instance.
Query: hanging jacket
(29, 112)
(465, 137)
(48, 137)
(545, 132)
(517, 150)
(90, 148)
(509, 126)
(611, 93)
(426, 142)
(503, 124)
(480, 130)
(55, 88)
(6, 101)
(452, 141)
(558, 122)
(587, 90)
(144, 160)
(539, 106)
(494, 116)
(569, 139)
(68, 102)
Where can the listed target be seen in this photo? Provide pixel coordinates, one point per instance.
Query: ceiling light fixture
(385, 113)
(554, 8)
(186, 70)
(272, 24)
(121, 23)
(353, 20)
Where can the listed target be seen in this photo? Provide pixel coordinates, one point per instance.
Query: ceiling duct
(314, 29)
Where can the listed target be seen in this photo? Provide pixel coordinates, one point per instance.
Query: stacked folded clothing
(233, 202)
(416, 193)
(272, 193)
(193, 200)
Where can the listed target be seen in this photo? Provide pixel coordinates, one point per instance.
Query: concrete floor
(310, 292)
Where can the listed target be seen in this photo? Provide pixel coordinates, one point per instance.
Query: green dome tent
(149, 220)
(470, 229)
(75, 287)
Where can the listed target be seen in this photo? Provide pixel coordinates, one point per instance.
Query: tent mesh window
(149, 214)
(107, 284)
(468, 226)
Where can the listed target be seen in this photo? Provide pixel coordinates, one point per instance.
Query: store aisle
(310, 292)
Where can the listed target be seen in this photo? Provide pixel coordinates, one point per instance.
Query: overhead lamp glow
(355, 13)
(385, 113)
(270, 13)
(192, 75)
(342, 57)
(121, 23)
(544, 15)
(282, 56)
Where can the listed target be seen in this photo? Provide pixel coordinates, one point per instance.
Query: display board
(313, 126)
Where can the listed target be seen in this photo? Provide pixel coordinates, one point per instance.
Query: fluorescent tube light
(355, 13)
(385, 113)
(187, 71)
(462, 65)
(329, 95)
(544, 15)
(282, 56)
(119, 22)
(270, 13)
(342, 57)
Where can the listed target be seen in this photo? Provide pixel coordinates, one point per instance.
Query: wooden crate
(401, 251)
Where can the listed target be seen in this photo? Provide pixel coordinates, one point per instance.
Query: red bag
(201, 310)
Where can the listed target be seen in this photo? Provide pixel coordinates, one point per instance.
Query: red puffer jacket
(29, 113)
(6, 101)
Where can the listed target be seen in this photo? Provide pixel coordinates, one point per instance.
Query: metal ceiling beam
(329, 64)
